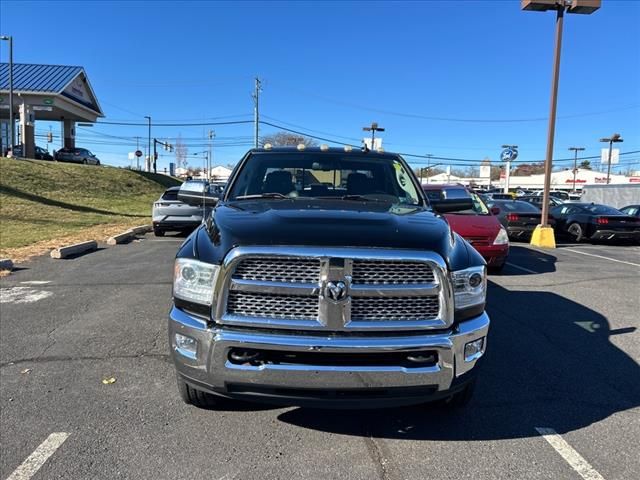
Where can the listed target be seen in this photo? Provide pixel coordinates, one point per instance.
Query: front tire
(84, 162)
(197, 398)
(496, 268)
(158, 233)
(462, 398)
(575, 230)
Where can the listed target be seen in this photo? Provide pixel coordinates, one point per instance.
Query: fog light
(474, 350)
(187, 346)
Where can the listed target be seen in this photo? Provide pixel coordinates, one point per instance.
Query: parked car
(537, 201)
(40, 153)
(347, 292)
(518, 218)
(499, 196)
(171, 214)
(631, 210)
(478, 225)
(559, 194)
(76, 155)
(592, 221)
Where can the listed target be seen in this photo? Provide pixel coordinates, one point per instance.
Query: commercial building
(45, 92)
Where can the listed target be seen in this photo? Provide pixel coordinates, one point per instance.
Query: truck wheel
(575, 230)
(84, 162)
(462, 398)
(496, 268)
(192, 396)
(158, 233)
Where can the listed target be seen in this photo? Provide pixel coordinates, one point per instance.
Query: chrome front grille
(333, 289)
(268, 305)
(394, 308)
(303, 270)
(385, 272)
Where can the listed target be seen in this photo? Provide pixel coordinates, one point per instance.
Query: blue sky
(446, 78)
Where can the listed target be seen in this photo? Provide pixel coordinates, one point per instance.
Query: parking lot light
(543, 234)
(615, 138)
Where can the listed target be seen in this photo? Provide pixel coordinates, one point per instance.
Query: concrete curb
(64, 252)
(141, 229)
(121, 238)
(6, 264)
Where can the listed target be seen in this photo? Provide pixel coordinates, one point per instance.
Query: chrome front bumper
(210, 368)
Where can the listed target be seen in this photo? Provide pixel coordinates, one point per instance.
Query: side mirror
(197, 194)
(495, 210)
(452, 205)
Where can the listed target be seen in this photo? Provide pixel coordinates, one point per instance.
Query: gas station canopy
(47, 92)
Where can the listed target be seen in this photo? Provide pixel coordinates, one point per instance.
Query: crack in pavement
(375, 452)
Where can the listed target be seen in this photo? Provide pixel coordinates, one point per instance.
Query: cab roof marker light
(267, 146)
(301, 146)
(348, 148)
(324, 147)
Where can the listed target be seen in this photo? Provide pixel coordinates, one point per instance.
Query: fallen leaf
(108, 381)
(26, 370)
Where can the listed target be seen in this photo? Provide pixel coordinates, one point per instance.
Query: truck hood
(323, 223)
(474, 225)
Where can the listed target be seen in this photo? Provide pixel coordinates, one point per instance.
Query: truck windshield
(324, 175)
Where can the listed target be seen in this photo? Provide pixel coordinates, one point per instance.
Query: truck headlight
(469, 287)
(502, 238)
(193, 280)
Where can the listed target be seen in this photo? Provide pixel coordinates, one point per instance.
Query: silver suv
(170, 214)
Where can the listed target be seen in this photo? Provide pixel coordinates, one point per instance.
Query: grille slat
(294, 270)
(272, 305)
(394, 308)
(385, 272)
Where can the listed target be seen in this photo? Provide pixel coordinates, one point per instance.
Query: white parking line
(566, 451)
(40, 455)
(36, 282)
(600, 256)
(521, 268)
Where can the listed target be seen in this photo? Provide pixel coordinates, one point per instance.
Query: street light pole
(575, 164)
(615, 138)
(149, 149)
(12, 132)
(373, 129)
(543, 234)
(256, 111)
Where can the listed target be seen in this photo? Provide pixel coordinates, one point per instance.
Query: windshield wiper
(261, 195)
(361, 198)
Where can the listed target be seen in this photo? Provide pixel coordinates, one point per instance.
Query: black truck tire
(158, 233)
(462, 398)
(195, 397)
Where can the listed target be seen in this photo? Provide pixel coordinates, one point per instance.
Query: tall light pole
(615, 138)
(575, 164)
(12, 132)
(543, 234)
(212, 135)
(149, 149)
(373, 129)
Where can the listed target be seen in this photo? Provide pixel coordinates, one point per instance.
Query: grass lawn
(41, 200)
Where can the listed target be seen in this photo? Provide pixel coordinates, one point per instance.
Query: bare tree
(181, 152)
(283, 139)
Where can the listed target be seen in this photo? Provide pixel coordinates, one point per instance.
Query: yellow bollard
(543, 237)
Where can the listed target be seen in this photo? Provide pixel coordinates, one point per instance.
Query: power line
(199, 124)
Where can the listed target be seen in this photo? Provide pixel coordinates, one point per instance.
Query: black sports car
(518, 218)
(591, 221)
(632, 210)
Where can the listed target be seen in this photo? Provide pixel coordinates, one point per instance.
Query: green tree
(585, 164)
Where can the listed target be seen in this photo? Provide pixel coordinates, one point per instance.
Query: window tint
(451, 193)
(170, 195)
(326, 175)
(602, 210)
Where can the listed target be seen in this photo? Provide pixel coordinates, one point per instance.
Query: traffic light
(49, 137)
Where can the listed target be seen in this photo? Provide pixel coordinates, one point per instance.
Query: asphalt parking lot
(562, 362)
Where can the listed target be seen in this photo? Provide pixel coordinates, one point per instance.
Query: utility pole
(373, 129)
(429, 155)
(575, 164)
(256, 111)
(149, 149)
(212, 135)
(12, 126)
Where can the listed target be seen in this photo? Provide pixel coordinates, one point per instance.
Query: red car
(480, 227)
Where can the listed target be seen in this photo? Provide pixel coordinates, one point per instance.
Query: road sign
(138, 153)
(509, 154)
(132, 155)
(615, 156)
